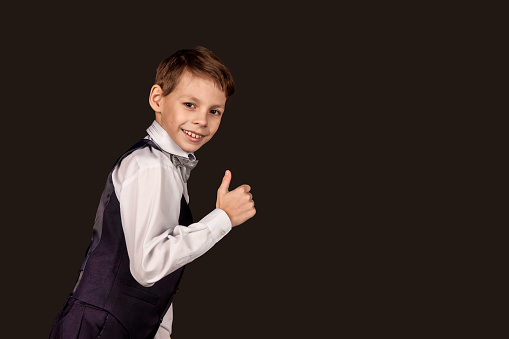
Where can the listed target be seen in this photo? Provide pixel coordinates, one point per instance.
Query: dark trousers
(80, 320)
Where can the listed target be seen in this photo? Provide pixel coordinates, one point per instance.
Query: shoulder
(148, 156)
(146, 160)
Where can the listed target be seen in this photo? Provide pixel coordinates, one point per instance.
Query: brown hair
(200, 61)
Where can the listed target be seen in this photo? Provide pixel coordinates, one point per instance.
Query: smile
(192, 134)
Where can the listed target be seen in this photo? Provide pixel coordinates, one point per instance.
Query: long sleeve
(149, 189)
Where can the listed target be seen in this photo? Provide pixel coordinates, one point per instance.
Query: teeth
(193, 135)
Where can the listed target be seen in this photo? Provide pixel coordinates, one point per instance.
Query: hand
(238, 204)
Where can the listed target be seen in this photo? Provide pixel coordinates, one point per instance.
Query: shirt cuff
(218, 223)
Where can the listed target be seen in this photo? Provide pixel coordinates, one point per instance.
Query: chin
(192, 148)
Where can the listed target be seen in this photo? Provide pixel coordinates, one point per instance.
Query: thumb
(226, 182)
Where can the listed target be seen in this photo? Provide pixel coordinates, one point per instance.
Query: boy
(143, 233)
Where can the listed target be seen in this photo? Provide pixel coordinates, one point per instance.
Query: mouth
(193, 135)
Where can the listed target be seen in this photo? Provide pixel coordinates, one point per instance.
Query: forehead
(191, 84)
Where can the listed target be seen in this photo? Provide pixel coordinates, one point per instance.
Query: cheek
(172, 124)
(213, 128)
(171, 128)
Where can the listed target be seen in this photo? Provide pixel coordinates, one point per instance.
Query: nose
(200, 118)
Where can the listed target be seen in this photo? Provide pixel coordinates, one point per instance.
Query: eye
(188, 104)
(215, 112)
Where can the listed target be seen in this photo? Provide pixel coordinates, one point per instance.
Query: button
(223, 232)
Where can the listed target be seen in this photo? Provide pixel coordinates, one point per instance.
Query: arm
(150, 206)
(240, 205)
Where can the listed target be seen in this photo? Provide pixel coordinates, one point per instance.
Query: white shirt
(149, 189)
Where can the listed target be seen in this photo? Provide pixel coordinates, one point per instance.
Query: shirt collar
(163, 140)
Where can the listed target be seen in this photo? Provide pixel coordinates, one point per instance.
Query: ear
(155, 98)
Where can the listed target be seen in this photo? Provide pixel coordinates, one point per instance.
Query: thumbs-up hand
(238, 204)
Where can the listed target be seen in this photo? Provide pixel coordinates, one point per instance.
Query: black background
(314, 128)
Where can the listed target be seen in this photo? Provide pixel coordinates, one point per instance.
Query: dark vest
(105, 279)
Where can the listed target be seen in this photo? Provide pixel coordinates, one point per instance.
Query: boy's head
(189, 96)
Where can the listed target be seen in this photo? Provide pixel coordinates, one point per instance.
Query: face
(191, 113)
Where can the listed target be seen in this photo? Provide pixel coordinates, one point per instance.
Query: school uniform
(143, 237)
